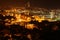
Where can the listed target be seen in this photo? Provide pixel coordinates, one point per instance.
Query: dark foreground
(44, 31)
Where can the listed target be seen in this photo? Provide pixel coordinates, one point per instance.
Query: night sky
(38, 3)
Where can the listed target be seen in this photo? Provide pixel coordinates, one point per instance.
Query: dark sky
(38, 3)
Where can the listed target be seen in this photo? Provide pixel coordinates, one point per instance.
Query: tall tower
(27, 6)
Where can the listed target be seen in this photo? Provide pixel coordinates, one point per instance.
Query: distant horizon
(23, 6)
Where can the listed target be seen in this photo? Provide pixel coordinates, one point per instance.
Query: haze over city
(50, 4)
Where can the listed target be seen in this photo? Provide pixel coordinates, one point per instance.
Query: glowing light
(22, 19)
(29, 26)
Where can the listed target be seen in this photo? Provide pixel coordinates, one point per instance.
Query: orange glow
(37, 18)
(21, 19)
(29, 26)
